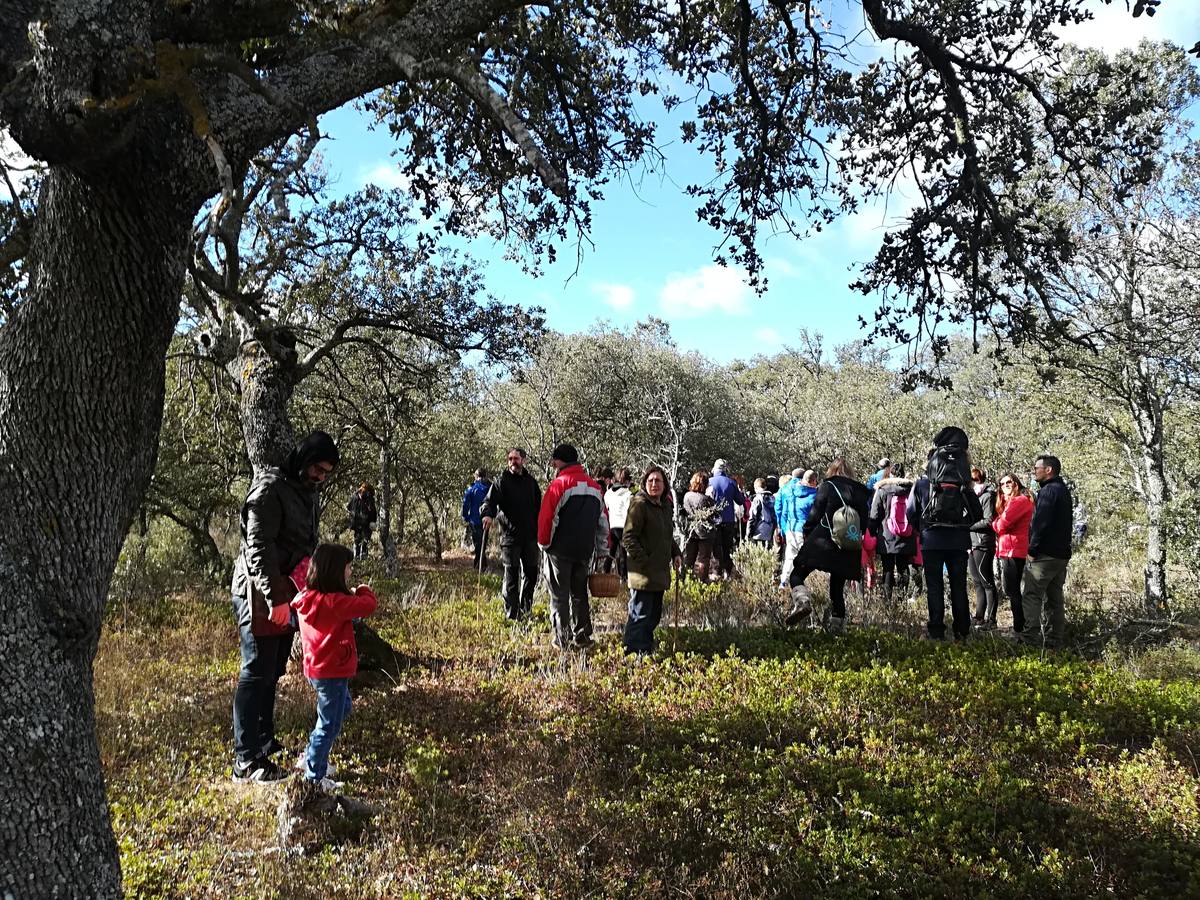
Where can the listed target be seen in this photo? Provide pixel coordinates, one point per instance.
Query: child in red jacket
(326, 610)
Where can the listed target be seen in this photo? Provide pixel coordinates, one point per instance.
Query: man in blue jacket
(943, 506)
(472, 501)
(1049, 552)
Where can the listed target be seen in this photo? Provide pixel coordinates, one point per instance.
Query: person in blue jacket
(792, 506)
(728, 496)
(472, 501)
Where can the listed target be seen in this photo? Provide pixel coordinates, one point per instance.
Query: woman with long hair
(981, 562)
(650, 550)
(700, 526)
(1014, 512)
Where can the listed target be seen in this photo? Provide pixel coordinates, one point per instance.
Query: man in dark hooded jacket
(279, 529)
(943, 508)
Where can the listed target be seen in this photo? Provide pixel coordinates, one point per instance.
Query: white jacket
(616, 501)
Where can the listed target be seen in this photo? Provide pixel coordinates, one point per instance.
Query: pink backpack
(897, 520)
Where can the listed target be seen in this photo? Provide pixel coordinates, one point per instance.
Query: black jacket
(881, 507)
(279, 528)
(982, 535)
(362, 510)
(819, 551)
(513, 502)
(1050, 530)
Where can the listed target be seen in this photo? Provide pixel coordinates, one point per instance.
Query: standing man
(728, 497)
(362, 516)
(572, 530)
(512, 503)
(1049, 552)
(943, 507)
(279, 529)
(471, 516)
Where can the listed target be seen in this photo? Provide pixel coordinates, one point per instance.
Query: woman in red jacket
(326, 610)
(1014, 511)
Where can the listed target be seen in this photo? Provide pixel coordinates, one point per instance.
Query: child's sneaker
(261, 771)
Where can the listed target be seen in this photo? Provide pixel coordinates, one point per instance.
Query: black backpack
(949, 474)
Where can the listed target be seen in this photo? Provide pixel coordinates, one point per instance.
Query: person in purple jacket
(727, 495)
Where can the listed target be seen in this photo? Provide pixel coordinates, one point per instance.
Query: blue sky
(652, 257)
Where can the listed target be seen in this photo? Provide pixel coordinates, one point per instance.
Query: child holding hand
(325, 610)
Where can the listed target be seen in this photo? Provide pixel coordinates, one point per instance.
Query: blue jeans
(645, 612)
(333, 705)
(264, 660)
(955, 562)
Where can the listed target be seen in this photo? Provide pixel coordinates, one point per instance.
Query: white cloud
(618, 296)
(385, 175)
(769, 336)
(711, 288)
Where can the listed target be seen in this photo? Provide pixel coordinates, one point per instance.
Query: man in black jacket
(279, 529)
(1049, 553)
(512, 503)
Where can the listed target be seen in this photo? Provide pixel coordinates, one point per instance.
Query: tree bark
(390, 562)
(265, 387)
(82, 373)
(1154, 481)
(437, 528)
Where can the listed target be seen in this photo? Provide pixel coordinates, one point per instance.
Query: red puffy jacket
(327, 631)
(1012, 528)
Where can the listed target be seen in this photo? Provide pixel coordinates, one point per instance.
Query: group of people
(937, 526)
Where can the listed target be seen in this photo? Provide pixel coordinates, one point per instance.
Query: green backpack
(846, 528)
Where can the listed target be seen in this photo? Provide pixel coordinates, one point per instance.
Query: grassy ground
(743, 763)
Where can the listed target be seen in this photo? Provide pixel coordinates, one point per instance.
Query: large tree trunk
(437, 528)
(81, 395)
(265, 387)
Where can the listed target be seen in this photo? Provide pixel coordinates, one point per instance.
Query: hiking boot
(797, 616)
(587, 642)
(327, 785)
(837, 624)
(258, 771)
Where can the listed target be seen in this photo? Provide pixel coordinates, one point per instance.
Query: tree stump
(309, 819)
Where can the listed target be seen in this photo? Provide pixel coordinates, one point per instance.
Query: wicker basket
(604, 584)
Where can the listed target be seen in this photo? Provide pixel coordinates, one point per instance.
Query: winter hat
(318, 447)
(565, 453)
(951, 436)
(719, 467)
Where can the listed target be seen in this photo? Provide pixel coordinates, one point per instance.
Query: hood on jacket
(318, 447)
(899, 482)
(306, 601)
(806, 490)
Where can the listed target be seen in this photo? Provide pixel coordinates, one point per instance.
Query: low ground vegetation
(738, 762)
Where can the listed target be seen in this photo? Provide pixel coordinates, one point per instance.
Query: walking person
(761, 523)
(1014, 511)
(728, 498)
(982, 560)
(700, 527)
(363, 514)
(651, 551)
(511, 507)
(888, 521)
(943, 507)
(792, 506)
(832, 543)
(1050, 534)
(326, 610)
(573, 531)
(278, 530)
(472, 503)
(616, 503)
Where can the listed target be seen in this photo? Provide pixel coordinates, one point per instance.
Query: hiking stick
(482, 555)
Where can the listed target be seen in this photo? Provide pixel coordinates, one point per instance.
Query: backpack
(897, 518)
(846, 527)
(949, 474)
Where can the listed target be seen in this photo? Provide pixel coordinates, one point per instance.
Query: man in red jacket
(572, 530)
